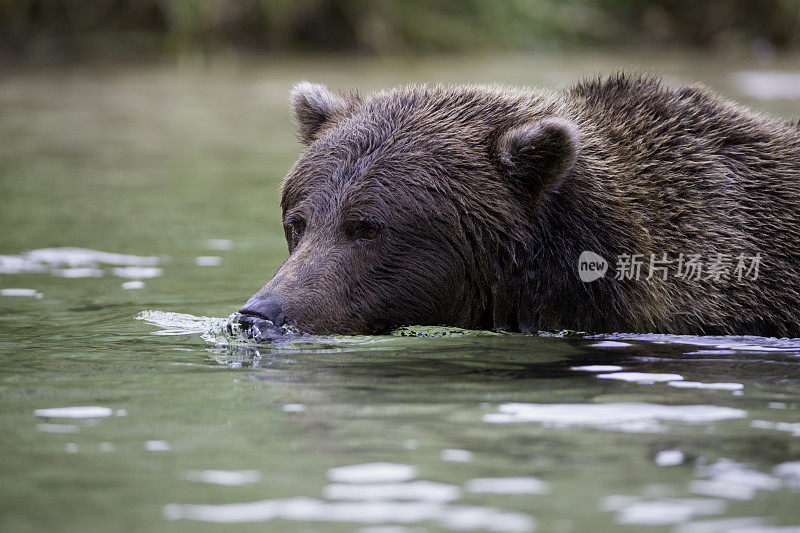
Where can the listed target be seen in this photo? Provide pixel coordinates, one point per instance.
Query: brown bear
(618, 204)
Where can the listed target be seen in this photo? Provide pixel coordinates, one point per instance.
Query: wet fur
(486, 196)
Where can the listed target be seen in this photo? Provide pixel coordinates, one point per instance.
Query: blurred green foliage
(53, 30)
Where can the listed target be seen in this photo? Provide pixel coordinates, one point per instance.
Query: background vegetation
(69, 30)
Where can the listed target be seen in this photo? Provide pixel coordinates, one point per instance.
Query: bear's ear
(314, 105)
(540, 152)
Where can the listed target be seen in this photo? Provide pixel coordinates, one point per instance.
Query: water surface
(139, 209)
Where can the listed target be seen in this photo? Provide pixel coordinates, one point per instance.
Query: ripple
(78, 272)
(228, 478)
(748, 524)
(626, 417)
(75, 263)
(641, 377)
(597, 368)
(636, 510)
(507, 485)
(57, 428)
(89, 411)
(669, 458)
(720, 344)
(80, 262)
(314, 510)
(789, 469)
(156, 446)
(610, 344)
(710, 386)
(208, 260)
(219, 244)
(456, 456)
(429, 491)
(136, 272)
(372, 473)
(732, 480)
(789, 427)
(21, 292)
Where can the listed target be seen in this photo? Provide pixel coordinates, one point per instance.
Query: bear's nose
(267, 309)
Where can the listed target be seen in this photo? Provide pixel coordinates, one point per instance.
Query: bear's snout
(261, 319)
(268, 308)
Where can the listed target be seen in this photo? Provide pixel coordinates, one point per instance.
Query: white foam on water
(597, 368)
(156, 446)
(776, 405)
(182, 324)
(669, 458)
(385, 512)
(644, 378)
(635, 510)
(228, 478)
(133, 285)
(456, 455)
(21, 292)
(372, 473)
(709, 386)
(610, 344)
(627, 417)
(208, 260)
(71, 447)
(57, 428)
(428, 491)
(105, 447)
(294, 408)
(768, 85)
(136, 272)
(88, 411)
(507, 485)
(219, 244)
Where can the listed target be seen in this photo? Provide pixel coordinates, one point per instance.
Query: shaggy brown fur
(469, 206)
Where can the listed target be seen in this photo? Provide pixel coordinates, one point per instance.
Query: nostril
(267, 309)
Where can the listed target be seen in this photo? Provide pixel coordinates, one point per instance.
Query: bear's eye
(294, 229)
(364, 229)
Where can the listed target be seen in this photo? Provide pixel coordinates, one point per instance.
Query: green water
(154, 162)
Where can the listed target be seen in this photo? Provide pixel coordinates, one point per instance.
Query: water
(140, 209)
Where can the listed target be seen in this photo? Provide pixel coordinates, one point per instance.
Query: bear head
(413, 206)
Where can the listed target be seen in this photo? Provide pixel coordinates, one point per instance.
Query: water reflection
(670, 391)
(214, 421)
(229, 478)
(623, 416)
(642, 511)
(382, 493)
